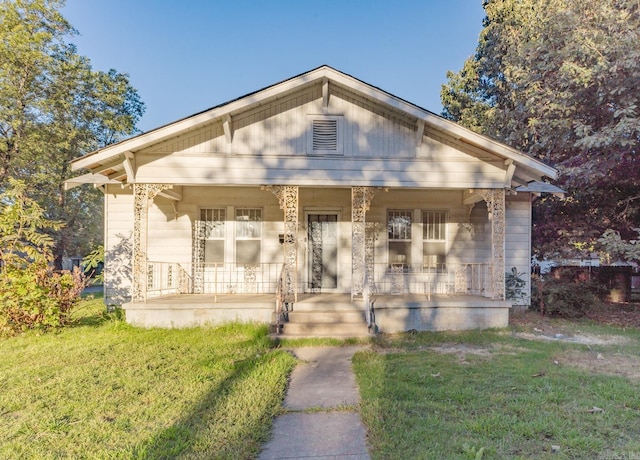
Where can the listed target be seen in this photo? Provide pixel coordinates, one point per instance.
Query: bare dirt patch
(461, 351)
(584, 339)
(602, 363)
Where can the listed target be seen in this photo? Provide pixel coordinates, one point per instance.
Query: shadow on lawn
(228, 421)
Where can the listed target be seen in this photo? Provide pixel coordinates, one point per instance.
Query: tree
(53, 108)
(557, 79)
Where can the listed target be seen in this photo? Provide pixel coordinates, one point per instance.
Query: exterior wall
(463, 316)
(518, 240)
(118, 244)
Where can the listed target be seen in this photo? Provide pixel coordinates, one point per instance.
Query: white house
(322, 196)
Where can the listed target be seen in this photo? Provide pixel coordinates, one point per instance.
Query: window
(399, 234)
(248, 235)
(214, 221)
(434, 239)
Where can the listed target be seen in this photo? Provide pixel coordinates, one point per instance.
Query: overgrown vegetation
(564, 298)
(556, 79)
(103, 389)
(498, 395)
(32, 294)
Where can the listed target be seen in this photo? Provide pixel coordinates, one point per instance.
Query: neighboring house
(320, 192)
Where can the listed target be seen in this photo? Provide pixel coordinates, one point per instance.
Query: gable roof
(116, 156)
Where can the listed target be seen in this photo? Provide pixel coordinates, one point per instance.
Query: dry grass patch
(618, 364)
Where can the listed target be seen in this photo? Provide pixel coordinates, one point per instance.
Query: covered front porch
(401, 264)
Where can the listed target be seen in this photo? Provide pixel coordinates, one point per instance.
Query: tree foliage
(53, 108)
(558, 79)
(32, 294)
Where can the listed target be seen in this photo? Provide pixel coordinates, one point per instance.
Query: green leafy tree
(53, 108)
(557, 79)
(32, 294)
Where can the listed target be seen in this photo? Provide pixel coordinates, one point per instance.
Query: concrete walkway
(321, 419)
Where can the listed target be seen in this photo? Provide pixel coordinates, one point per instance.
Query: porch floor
(392, 312)
(322, 301)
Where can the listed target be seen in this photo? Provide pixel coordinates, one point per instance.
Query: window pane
(399, 253)
(399, 225)
(248, 223)
(214, 219)
(248, 252)
(434, 225)
(214, 251)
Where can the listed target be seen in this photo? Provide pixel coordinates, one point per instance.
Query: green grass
(495, 392)
(103, 389)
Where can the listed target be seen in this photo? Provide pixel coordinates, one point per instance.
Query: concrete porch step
(326, 323)
(327, 316)
(324, 330)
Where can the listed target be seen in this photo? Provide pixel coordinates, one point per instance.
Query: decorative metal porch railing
(461, 278)
(164, 278)
(216, 279)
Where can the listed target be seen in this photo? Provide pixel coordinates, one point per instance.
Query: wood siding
(518, 239)
(271, 145)
(118, 243)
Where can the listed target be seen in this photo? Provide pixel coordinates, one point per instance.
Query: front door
(323, 251)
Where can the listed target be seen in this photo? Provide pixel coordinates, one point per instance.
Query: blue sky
(186, 56)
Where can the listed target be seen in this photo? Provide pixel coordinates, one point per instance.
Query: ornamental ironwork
(288, 199)
(198, 255)
(495, 200)
(360, 202)
(143, 195)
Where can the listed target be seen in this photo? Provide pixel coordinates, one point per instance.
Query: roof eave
(163, 133)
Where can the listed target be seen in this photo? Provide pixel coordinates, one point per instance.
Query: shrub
(564, 298)
(32, 294)
(515, 285)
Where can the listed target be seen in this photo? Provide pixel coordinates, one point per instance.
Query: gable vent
(325, 134)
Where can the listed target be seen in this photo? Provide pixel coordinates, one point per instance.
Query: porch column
(360, 201)
(143, 195)
(288, 199)
(495, 200)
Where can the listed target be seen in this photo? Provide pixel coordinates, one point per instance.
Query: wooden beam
(419, 132)
(129, 166)
(228, 128)
(473, 199)
(117, 174)
(325, 92)
(511, 168)
(170, 194)
(111, 165)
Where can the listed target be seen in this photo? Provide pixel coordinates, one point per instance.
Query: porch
(401, 298)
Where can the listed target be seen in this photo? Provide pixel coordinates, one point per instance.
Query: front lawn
(503, 394)
(102, 389)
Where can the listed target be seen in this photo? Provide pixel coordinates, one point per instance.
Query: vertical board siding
(518, 239)
(118, 244)
(284, 126)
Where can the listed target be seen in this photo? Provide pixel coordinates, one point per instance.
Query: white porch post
(360, 201)
(288, 199)
(143, 195)
(495, 200)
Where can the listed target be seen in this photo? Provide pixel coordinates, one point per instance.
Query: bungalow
(320, 204)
